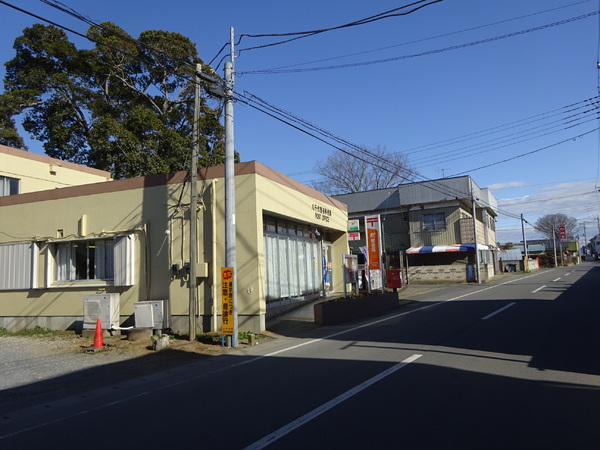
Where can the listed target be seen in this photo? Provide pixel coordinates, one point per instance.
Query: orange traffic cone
(98, 341)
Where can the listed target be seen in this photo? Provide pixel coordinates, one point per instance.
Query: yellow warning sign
(227, 300)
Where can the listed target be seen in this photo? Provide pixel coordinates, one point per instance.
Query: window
(85, 260)
(100, 259)
(434, 222)
(292, 261)
(9, 186)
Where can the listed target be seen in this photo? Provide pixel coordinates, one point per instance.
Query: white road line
(557, 279)
(538, 289)
(258, 358)
(287, 429)
(498, 311)
(378, 321)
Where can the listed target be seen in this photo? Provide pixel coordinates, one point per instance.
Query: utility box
(152, 314)
(105, 307)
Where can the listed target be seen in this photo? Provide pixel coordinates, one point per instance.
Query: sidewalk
(302, 320)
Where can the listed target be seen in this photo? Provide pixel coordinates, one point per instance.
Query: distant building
(428, 228)
(22, 172)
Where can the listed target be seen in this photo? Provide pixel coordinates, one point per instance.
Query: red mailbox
(394, 278)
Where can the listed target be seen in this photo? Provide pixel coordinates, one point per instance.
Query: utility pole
(526, 266)
(230, 238)
(585, 240)
(554, 245)
(193, 205)
(477, 267)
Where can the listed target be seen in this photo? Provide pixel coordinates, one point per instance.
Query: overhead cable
(416, 55)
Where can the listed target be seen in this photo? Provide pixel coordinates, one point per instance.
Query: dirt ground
(123, 346)
(39, 369)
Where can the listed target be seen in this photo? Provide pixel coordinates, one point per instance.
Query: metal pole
(554, 245)
(526, 265)
(585, 240)
(193, 202)
(230, 243)
(477, 267)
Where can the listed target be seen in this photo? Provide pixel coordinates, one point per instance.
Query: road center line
(538, 289)
(498, 311)
(556, 279)
(287, 429)
(385, 319)
(258, 358)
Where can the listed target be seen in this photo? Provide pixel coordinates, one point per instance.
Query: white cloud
(509, 185)
(580, 200)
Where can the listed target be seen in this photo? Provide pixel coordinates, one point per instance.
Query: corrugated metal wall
(17, 263)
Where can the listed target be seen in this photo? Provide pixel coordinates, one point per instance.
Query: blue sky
(458, 86)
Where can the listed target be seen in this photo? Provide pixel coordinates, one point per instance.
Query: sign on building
(354, 225)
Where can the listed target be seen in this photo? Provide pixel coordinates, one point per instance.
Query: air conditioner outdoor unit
(152, 314)
(103, 306)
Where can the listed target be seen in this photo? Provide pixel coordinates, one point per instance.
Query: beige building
(437, 230)
(22, 172)
(131, 238)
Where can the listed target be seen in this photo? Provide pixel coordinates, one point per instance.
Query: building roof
(432, 191)
(57, 162)
(207, 173)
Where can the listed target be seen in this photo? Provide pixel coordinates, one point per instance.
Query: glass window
(270, 226)
(9, 186)
(291, 261)
(434, 222)
(85, 260)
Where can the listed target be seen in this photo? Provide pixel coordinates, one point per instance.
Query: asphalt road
(513, 365)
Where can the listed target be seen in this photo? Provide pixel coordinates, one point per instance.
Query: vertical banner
(373, 238)
(562, 229)
(227, 300)
(372, 225)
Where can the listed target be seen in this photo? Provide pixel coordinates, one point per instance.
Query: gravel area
(46, 368)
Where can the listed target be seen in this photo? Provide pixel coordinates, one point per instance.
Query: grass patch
(210, 339)
(34, 332)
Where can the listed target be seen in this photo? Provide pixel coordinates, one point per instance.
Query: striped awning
(447, 248)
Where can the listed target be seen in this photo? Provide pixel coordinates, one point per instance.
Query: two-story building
(438, 230)
(22, 172)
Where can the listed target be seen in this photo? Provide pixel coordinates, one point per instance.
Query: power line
(281, 115)
(43, 19)
(529, 153)
(292, 36)
(593, 101)
(416, 55)
(492, 147)
(433, 37)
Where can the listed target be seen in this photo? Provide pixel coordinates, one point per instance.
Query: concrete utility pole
(526, 265)
(477, 265)
(230, 239)
(193, 205)
(554, 245)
